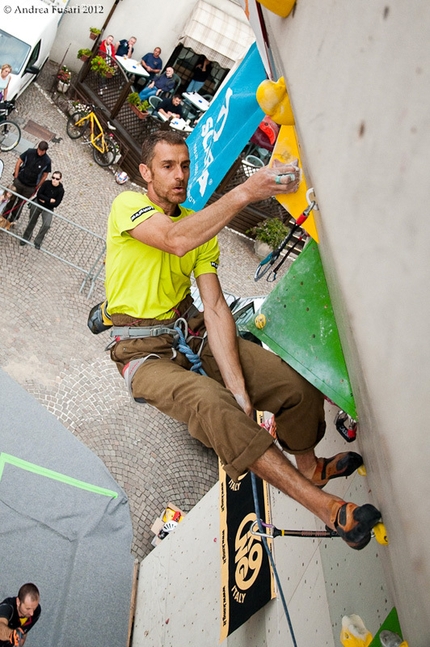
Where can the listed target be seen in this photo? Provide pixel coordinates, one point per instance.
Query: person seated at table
(125, 47)
(107, 49)
(171, 107)
(152, 63)
(200, 74)
(163, 83)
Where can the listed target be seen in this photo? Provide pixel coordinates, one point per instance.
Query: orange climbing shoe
(332, 468)
(354, 523)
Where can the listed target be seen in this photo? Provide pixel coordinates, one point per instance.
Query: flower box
(139, 113)
(63, 87)
(94, 33)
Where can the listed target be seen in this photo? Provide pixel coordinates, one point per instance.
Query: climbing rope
(270, 556)
(181, 327)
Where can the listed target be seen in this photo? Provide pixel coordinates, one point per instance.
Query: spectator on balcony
(125, 47)
(200, 74)
(152, 62)
(107, 49)
(171, 107)
(163, 83)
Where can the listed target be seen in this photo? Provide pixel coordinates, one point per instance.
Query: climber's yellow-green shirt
(143, 281)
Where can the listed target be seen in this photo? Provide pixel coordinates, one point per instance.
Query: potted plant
(98, 64)
(76, 106)
(138, 106)
(268, 235)
(94, 32)
(84, 54)
(63, 75)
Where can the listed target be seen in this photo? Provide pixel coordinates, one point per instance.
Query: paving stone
(48, 349)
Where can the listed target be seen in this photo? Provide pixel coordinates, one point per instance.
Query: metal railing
(66, 241)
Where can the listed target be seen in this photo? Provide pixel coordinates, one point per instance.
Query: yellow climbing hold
(354, 633)
(260, 321)
(273, 99)
(362, 470)
(380, 533)
(279, 7)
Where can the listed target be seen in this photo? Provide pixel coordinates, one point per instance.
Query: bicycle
(10, 132)
(105, 149)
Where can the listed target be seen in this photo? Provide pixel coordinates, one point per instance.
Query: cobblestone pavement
(48, 349)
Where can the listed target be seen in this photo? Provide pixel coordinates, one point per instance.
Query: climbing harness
(181, 335)
(267, 263)
(120, 333)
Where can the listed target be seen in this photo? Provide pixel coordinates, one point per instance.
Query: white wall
(154, 24)
(358, 75)
(179, 602)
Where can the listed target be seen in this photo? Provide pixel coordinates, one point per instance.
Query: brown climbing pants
(210, 410)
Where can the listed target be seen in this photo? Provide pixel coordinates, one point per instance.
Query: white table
(131, 66)
(180, 124)
(196, 100)
(177, 123)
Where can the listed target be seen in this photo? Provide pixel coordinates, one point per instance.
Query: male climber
(153, 246)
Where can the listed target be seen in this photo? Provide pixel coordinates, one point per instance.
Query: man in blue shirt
(164, 83)
(171, 107)
(125, 47)
(152, 62)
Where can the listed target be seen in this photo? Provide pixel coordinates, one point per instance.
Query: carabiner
(310, 192)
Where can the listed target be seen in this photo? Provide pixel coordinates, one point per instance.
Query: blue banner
(223, 131)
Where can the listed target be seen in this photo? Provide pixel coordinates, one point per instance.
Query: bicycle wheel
(108, 157)
(73, 130)
(10, 134)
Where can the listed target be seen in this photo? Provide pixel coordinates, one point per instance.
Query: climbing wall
(297, 322)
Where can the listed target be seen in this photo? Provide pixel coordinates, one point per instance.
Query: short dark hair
(43, 146)
(28, 589)
(58, 173)
(169, 136)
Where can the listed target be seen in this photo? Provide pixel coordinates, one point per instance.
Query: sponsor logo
(139, 213)
(211, 132)
(248, 559)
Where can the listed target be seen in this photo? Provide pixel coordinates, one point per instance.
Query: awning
(216, 35)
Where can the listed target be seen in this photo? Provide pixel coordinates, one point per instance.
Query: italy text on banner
(246, 577)
(224, 130)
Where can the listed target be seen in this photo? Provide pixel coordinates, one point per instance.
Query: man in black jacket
(18, 615)
(31, 170)
(49, 196)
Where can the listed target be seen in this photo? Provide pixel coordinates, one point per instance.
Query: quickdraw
(267, 263)
(346, 426)
(276, 532)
